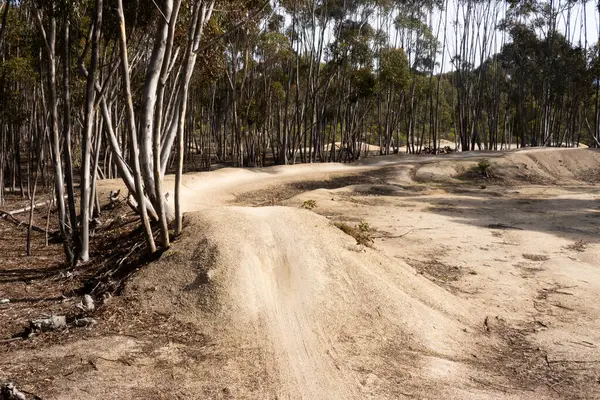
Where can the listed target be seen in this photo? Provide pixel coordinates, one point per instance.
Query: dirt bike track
(469, 288)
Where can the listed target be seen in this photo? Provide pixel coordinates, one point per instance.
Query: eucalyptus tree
(394, 81)
(47, 14)
(137, 90)
(417, 37)
(4, 8)
(86, 139)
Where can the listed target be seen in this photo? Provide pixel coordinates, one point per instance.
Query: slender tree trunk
(141, 199)
(67, 136)
(50, 42)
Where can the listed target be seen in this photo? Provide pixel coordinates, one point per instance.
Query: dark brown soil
(44, 284)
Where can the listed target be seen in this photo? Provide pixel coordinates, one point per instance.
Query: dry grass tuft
(436, 270)
(536, 257)
(579, 246)
(361, 232)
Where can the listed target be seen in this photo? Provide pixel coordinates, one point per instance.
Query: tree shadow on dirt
(380, 178)
(28, 275)
(570, 218)
(497, 207)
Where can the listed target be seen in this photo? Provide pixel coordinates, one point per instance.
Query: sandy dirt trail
(422, 300)
(472, 289)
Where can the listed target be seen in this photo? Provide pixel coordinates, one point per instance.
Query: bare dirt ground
(397, 277)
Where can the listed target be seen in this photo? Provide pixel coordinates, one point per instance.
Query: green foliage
(484, 168)
(278, 91)
(274, 47)
(309, 204)
(361, 232)
(394, 69)
(421, 40)
(364, 226)
(21, 75)
(364, 83)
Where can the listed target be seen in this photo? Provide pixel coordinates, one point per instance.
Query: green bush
(484, 167)
(309, 204)
(360, 232)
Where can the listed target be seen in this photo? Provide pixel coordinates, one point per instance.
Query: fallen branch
(552, 386)
(583, 343)
(499, 386)
(118, 360)
(122, 260)
(541, 323)
(561, 306)
(486, 324)
(393, 236)
(14, 339)
(36, 205)
(8, 217)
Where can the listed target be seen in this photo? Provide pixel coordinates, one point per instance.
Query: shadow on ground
(572, 218)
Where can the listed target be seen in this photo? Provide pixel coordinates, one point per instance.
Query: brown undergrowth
(43, 284)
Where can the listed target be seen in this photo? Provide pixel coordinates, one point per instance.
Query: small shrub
(309, 204)
(484, 167)
(363, 226)
(360, 232)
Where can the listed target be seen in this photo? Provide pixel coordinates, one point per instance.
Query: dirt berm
(293, 308)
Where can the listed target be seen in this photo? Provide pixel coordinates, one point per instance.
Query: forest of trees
(136, 89)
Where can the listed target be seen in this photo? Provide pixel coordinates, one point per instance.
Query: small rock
(49, 324)
(8, 391)
(4, 301)
(88, 303)
(106, 298)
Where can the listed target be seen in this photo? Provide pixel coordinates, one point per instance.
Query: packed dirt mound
(446, 171)
(564, 166)
(295, 309)
(539, 166)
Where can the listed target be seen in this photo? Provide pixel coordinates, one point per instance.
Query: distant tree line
(135, 89)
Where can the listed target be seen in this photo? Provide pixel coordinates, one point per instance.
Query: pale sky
(582, 18)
